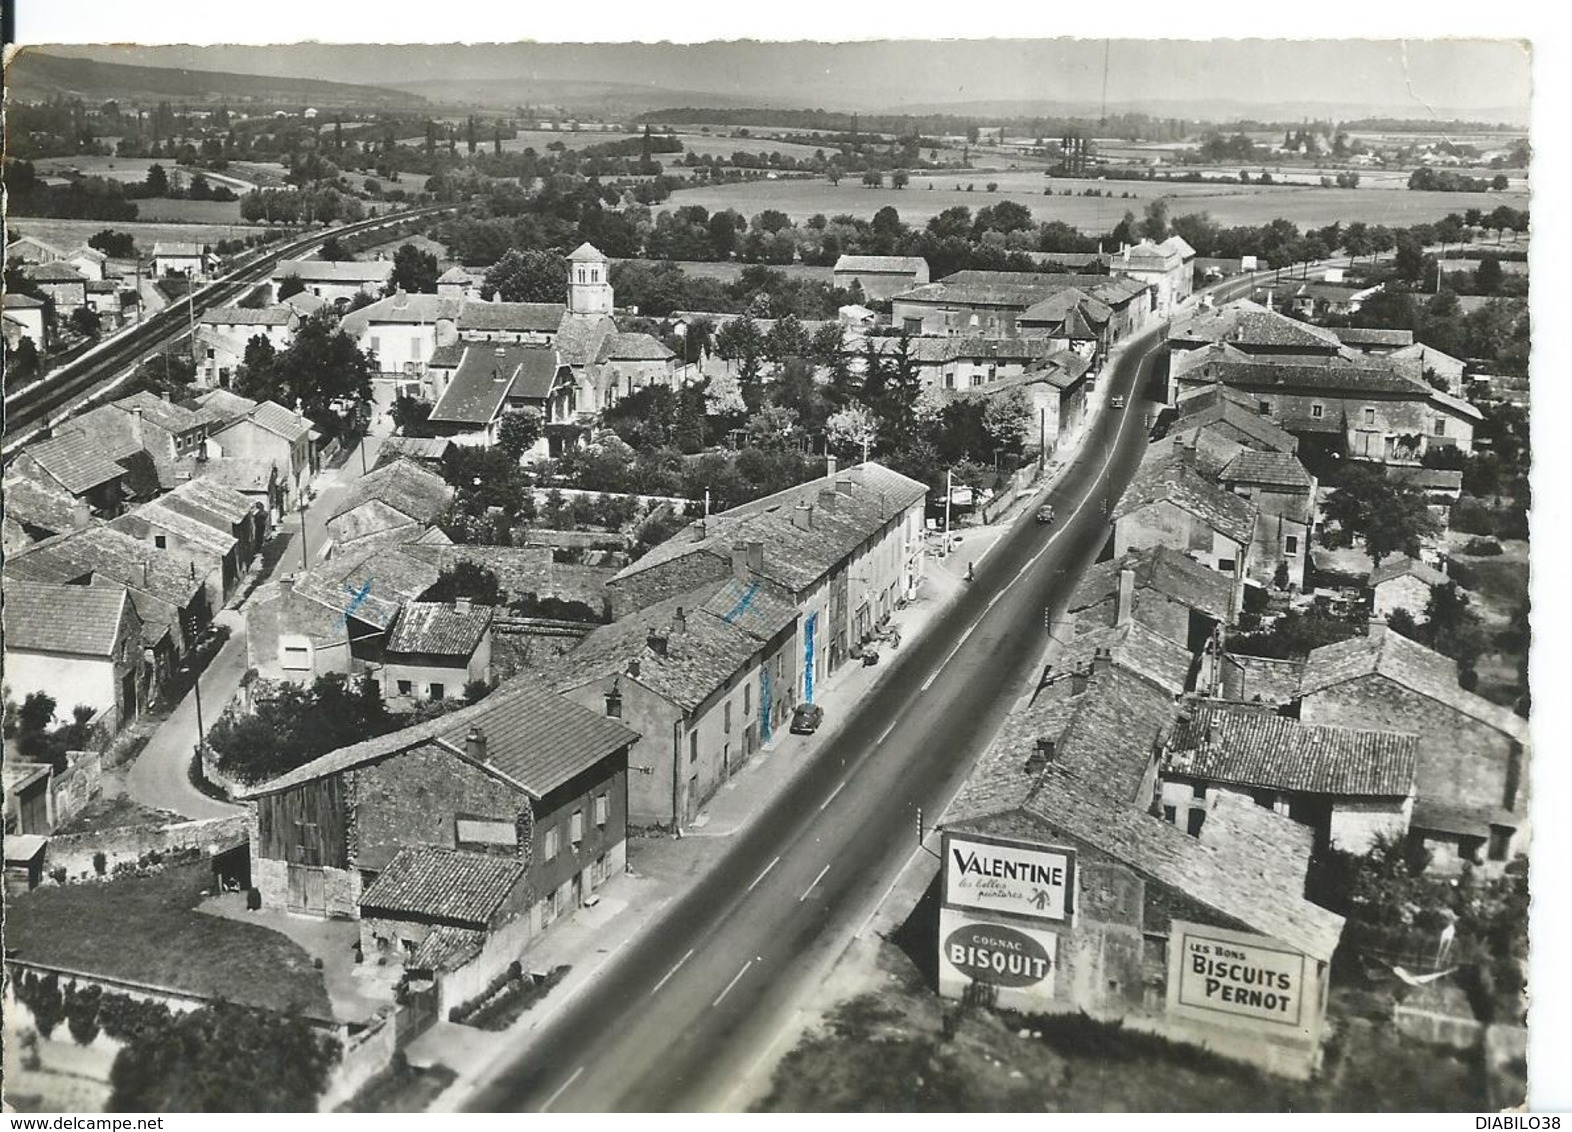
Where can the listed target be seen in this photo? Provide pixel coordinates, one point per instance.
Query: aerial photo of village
(757, 577)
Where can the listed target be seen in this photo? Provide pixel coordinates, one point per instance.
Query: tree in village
(851, 431)
(414, 270)
(22, 365)
(773, 429)
(527, 277)
(294, 725)
(741, 342)
(335, 252)
(465, 579)
(320, 368)
(1008, 421)
(1155, 225)
(518, 431)
(723, 397)
(1388, 517)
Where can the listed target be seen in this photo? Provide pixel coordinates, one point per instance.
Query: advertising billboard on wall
(1019, 964)
(1235, 979)
(1016, 878)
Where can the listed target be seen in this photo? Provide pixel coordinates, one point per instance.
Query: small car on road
(805, 719)
(1045, 513)
(1117, 402)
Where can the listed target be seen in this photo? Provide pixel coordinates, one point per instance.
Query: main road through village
(685, 1011)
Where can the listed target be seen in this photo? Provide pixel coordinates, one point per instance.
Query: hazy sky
(1415, 76)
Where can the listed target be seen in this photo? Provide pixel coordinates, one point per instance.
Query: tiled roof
(1401, 566)
(700, 657)
(1271, 469)
(1063, 304)
(438, 628)
(1179, 245)
(248, 316)
(578, 339)
(15, 300)
(165, 414)
(75, 461)
(534, 737)
(1426, 479)
(1331, 372)
(1245, 324)
(371, 582)
(633, 347)
(224, 405)
(1136, 648)
(210, 500)
(242, 473)
(949, 292)
(890, 264)
(521, 570)
(304, 302)
(48, 617)
(413, 447)
(587, 253)
(165, 248)
(1174, 481)
(1216, 411)
(403, 307)
(1244, 747)
(103, 553)
(488, 375)
(402, 485)
(447, 356)
(40, 503)
(1367, 336)
(542, 318)
(160, 516)
(53, 273)
(335, 271)
(458, 273)
(278, 420)
(442, 884)
(1410, 665)
(1168, 571)
(1455, 404)
(867, 497)
(446, 948)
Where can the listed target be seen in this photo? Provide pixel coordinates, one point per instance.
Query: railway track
(34, 409)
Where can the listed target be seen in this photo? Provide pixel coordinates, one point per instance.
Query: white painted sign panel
(1227, 974)
(994, 874)
(1019, 963)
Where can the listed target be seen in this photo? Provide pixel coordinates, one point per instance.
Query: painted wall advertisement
(1016, 878)
(1021, 963)
(1230, 978)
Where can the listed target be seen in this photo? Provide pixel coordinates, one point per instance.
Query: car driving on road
(1045, 513)
(1117, 402)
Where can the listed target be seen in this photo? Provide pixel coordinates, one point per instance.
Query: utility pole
(949, 475)
(305, 561)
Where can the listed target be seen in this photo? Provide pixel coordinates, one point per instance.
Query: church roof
(587, 253)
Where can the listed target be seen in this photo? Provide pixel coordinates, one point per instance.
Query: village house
(1160, 588)
(24, 316)
(880, 276)
(456, 842)
(213, 555)
(401, 496)
(39, 508)
(460, 282)
(400, 333)
(1217, 422)
(1075, 784)
(1251, 329)
(255, 479)
(1284, 494)
(1431, 365)
(990, 303)
(89, 262)
(436, 650)
(1373, 341)
(223, 334)
(1129, 646)
(491, 381)
(74, 463)
(1072, 320)
(1054, 391)
(842, 549)
(30, 249)
(65, 286)
(963, 363)
(1473, 774)
(109, 301)
(1352, 787)
(707, 678)
(1403, 583)
(1170, 503)
(171, 602)
(524, 324)
(175, 258)
(76, 644)
(1169, 267)
(227, 510)
(269, 431)
(170, 434)
(334, 281)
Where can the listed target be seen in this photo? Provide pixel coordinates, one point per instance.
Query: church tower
(589, 282)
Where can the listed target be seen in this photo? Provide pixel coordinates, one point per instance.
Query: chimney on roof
(827, 498)
(747, 559)
(287, 583)
(614, 699)
(657, 643)
(475, 744)
(1079, 678)
(400, 299)
(1124, 602)
(1376, 628)
(81, 515)
(1042, 755)
(679, 621)
(830, 465)
(802, 516)
(462, 605)
(1102, 660)
(633, 668)
(136, 425)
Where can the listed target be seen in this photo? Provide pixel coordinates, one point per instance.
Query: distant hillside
(573, 97)
(36, 75)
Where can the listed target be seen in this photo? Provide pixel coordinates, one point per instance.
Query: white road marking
(673, 971)
(551, 1100)
(885, 734)
(836, 791)
(764, 874)
(814, 885)
(735, 979)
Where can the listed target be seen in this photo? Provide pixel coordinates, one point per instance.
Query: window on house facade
(1317, 411)
(405, 687)
(726, 717)
(1264, 407)
(438, 691)
(1225, 565)
(376, 345)
(1197, 819)
(693, 747)
(1170, 815)
(1440, 426)
(747, 700)
(548, 844)
(1198, 790)
(1369, 415)
(576, 828)
(161, 542)
(1291, 544)
(602, 808)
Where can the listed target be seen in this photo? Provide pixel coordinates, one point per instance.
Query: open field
(1246, 204)
(127, 169)
(189, 211)
(69, 233)
(731, 271)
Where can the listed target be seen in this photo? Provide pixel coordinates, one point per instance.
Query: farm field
(1246, 204)
(69, 233)
(160, 210)
(125, 169)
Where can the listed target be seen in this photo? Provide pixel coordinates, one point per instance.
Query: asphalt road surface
(700, 998)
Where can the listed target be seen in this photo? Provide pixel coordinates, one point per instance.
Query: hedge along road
(673, 1021)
